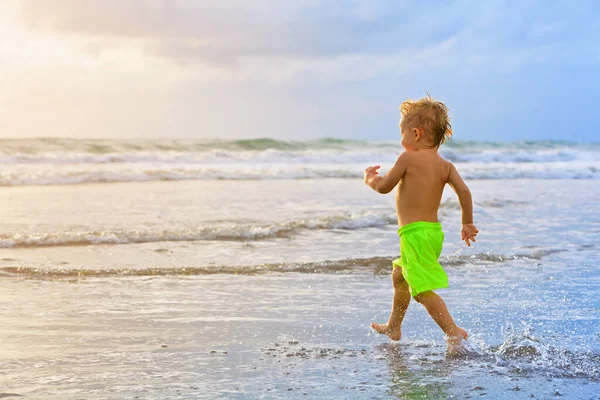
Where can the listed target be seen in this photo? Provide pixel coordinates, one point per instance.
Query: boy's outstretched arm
(468, 231)
(385, 184)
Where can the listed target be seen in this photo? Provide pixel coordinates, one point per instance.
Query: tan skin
(421, 175)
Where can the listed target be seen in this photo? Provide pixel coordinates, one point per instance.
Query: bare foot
(455, 341)
(384, 329)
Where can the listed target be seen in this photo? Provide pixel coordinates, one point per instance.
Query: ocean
(253, 268)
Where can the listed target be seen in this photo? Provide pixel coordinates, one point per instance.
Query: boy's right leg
(439, 312)
(399, 307)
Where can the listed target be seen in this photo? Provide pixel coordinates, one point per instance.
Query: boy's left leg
(399, 307)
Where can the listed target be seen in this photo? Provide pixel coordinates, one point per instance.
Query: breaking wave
(242, 232)
(70, 161)
(220, 231)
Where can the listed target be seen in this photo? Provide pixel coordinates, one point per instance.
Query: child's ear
(417, 134)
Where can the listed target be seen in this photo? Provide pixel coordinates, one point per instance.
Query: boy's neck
(426, 149)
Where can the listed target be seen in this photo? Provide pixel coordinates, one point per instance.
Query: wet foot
(455, 340)
(385, 329)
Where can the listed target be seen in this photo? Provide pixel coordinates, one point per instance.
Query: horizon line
(242, 139)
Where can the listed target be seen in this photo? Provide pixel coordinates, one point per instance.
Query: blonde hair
(429, 115)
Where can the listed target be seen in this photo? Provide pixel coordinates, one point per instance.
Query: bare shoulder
(406, 158)
(407, 155)
(413, 156)
(448, 165)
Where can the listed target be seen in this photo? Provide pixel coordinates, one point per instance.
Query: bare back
(420, 190)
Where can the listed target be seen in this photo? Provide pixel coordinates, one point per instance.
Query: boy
(421, 175)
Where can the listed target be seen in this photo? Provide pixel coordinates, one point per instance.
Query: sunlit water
(266, 289)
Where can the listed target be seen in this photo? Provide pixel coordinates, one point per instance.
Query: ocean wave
(311, 156)
(72, 151)
(228, 232)
(34, 176)
(106, 146)
(65, 162)
(376, 265)
(92, 174)
(235, 232)
(102, 146)
(314, 267)
(224, 232)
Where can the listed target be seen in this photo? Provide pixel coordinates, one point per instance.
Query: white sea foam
(243, 231)
(76, 174)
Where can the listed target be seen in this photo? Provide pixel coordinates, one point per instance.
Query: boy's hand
(371, 173)
(468, 233)
(386, 183)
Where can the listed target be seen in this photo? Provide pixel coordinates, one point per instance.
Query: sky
(302, 69)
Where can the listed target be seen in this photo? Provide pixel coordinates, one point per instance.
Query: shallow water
(149, 301)
(283, 335)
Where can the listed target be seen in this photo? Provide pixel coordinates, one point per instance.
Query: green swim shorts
(420, 249)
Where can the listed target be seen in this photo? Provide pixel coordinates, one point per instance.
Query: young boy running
(421, 175)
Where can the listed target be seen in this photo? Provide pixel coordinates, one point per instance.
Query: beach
(253, 269)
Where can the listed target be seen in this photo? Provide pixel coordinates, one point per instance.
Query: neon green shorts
(420, 249)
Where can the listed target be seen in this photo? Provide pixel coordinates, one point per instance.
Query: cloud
(291, 68)
(226, 26)
(226, 32)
